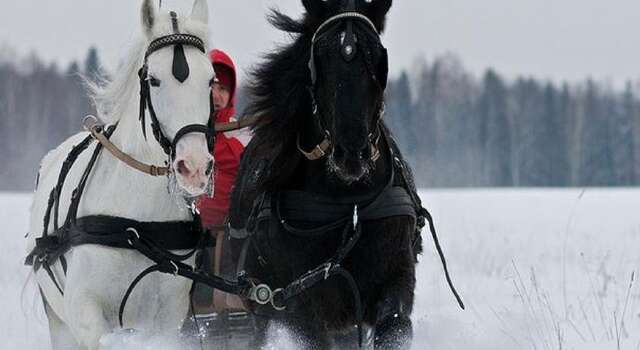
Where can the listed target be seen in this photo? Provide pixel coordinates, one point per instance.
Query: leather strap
(91, 124)
(96, 130)
(240, 124)
(318, 152)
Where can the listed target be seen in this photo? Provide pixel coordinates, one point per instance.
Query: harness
(305, 214)
(155, 240)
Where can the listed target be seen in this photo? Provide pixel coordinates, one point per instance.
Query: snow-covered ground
(538, 269)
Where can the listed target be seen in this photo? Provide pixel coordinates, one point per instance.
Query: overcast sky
(556, 39)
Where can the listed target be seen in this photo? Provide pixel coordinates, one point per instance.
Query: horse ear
(315, 8)
(200, 11)
(149, 15)
(377, 10)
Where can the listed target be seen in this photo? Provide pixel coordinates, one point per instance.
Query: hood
(220, 58)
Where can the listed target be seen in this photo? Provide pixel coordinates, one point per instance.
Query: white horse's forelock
(113, 96)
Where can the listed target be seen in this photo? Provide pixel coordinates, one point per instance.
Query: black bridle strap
(193, 128)
(177, 40)
(174, 39)
(348, 52)
(351, 15)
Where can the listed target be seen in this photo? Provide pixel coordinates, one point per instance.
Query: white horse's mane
(114, 96)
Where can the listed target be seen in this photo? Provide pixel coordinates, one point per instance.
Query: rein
(91, 124)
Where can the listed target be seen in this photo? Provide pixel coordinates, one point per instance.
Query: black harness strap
(76, 195)
(423, 214)
(54, 197)
(173, 264)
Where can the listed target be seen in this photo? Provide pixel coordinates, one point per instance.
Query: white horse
(97, 276)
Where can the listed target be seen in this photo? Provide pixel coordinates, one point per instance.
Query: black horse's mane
(279, 89)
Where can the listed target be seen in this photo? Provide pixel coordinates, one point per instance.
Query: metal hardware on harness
(273, 300)
(176, 269)
(135, 232)
(261, 294)
(319, 151)
(90, 122)
(355, 216)
(327, 270)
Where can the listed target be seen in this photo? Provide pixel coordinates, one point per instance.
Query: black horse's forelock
(280, 92)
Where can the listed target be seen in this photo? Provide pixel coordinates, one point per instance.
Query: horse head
(175, 81)
(348, 67)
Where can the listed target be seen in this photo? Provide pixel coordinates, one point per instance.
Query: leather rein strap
(91, 124)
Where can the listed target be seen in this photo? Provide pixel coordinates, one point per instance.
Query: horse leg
(260, 335)
(61, 337)
(393, 329)
(86, 320)
(310, 334)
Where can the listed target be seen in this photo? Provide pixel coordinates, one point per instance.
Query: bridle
(348, 51)
(180, 71)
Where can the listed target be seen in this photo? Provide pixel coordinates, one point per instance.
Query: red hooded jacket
(227, 152)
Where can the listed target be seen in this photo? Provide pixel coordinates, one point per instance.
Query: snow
(537, 269)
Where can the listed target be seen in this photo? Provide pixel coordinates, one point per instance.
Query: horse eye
(212, 81)
(154, 82)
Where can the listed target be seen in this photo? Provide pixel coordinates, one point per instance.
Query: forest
(456, 129)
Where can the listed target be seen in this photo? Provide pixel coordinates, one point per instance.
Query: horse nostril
(182, 168)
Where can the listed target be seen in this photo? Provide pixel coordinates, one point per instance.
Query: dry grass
(603, 316)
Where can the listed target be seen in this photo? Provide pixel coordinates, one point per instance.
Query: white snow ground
(538, 269)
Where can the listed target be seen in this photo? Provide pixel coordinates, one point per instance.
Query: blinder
(180, 70)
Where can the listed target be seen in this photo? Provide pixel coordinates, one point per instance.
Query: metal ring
(258, 296)
(135, 232)
(91, 124)
(327, 270)
(175, 273)
(273, 297)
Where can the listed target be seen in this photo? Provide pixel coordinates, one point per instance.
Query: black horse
(323, 195)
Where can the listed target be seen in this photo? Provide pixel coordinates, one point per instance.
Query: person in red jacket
(229, 145)
(227, 152)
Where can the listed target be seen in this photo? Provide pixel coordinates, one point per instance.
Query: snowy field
(538, 269)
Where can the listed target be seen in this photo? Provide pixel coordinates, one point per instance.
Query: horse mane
(280, 96)
(112, 96)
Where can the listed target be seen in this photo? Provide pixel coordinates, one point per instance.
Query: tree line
(455, 129)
